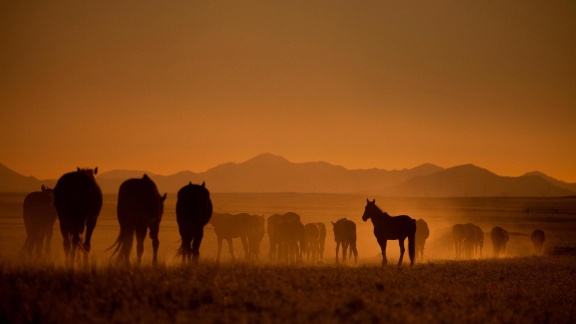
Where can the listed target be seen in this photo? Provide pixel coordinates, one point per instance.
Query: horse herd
(76, 201)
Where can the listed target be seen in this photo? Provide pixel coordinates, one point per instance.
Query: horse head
(370, 210)
(89, 172)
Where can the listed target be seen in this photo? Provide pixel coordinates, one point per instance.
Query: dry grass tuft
(533, 289)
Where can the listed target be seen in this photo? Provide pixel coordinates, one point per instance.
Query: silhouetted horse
(273, 234)
(255, 238)
(387, 228)
(290, 241)
(499, 239)
(140, 207)
(458, 237)
(474, 240)
(39, 218)
(311, 241)
(422, 234)
(228, 227)
(479, 241)
(193, 212)
(78, 200)
(345, 234)
(321, 241)
(537, 239)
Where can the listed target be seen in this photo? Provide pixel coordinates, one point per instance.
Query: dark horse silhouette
(321, 241)
(228, 227)
(422, 234)
(458, 236)
(255, 238)
(345, 234)
(499, 239)
(274, 232)
(39, 218)
(78, 200)
(479, 241)
(311, 241)
(537, 239)
(290, 241)
(140, 207)
(193, 212)
(387, 227)
(314, 240)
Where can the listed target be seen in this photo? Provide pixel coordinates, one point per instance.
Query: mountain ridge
(272, 173)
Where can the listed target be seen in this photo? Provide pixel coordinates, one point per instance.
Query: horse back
(77, 197)
(396, 227)
(193, 206)
(138, 202)
(38, 210)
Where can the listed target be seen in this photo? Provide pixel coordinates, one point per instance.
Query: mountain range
(272, 173)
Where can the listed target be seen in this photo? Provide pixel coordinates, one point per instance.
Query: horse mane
(380, 210)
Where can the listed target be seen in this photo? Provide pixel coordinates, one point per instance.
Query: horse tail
(411, 247)
(180, 250)
(117, 245)
(412, 242)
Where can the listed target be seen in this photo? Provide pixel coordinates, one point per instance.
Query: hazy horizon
(383, 84)
(101, 171)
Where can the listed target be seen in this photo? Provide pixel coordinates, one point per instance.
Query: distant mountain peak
(428, 168)
(468, 168)
(272, 173)
(267, 158)
(537, 174)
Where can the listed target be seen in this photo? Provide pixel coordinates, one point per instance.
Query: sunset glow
(386, 84)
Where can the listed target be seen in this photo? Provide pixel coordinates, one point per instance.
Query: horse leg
(154, 230)
(271, 254)
(402, 249)
(65, 241)
(76, 242)
(382, 243)
(126, 239)
(49, 232)
(90, 224)
(219, 249)
(311, 252)
(411, 248)
(337, 250)
(39, 246)
(231, 248)
(246, 248)
(140, 236)
(27, 248)
(183, 249)
(355, 251)
(344, 250)
(196, 245)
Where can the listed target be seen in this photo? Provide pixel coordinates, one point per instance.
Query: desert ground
(517, 287)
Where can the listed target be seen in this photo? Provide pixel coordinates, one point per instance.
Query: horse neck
(380, 218)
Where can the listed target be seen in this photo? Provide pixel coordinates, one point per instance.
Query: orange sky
(184, 85)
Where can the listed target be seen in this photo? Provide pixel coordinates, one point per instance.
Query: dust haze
(519, 216)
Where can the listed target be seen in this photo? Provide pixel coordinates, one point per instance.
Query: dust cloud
(519, 216)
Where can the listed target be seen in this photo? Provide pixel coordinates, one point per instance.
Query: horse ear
(164, 197)
(96, 171)
(203, 184)
(78, 169)
(374, 201)
(367, 201)
(190, 183)
(332, 223)
(43, 188)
